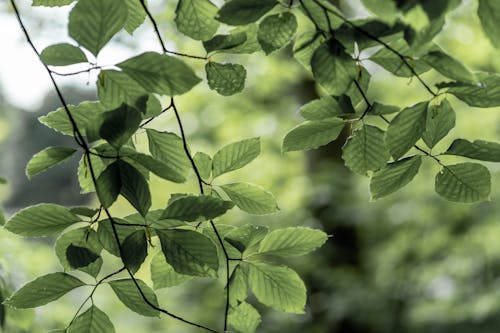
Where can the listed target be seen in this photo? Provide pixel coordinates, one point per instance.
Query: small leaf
(226, 79)
(489, 15)
(189, 252)
(163, 274)
(405, 129)
(235, 156)
(136, 15)
(464, 182)
(128, 293)
(43, 290)
(108, 185)
(41, 220)
(79, 257)
(192, 208)
(225, 42)
(92, 321)
(48, 158)
(251, 198)
(92, 23)
(478, 150)
(62, 55)
(278, 287)
(440, 120)
(448, 66)
(312, 134)
(276, 31)
(196, 18)
(394, 176)
(204, 164)
(244, 318)
(291, 242)
(134, 188)
(241, 12)
(119, 125)
(135, 250)
(52, 3)
(160, 73)
(365, 150)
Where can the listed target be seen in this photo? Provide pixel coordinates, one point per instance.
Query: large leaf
(241, 12)
(448, 66)
(244, 318)
(189, 252)
(394, 176)
(394, 64)
(134, 188)
(485, 94)
(196, 18)
(136, 15)
(168, 148)
(163, 274)
(116, 87)
(41, 220)
(48, 158)
(312, 134)
(92, 23)
(251, 198)
(246, 238)
(276, 31)
(489, 14)
(464, 182)
(119, 125)
(92, 321)
(62, 54)
(365, 150)
(193, 208)
(235, 156)
(277, 286)
(226, 79)
(333, 68)
(405, 129)
(129, 294)
(43, 290)
(135, 250)
(292, 242)
(478, 150)
(160, 73)
(440, 120)
(323, 108)
(161, 168)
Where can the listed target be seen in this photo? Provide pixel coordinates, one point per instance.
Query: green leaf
(244, 318)
(163, 274)
(92, 321)
(440, 120)
(394, 176)
(291, 242)
(119, 125)
(82, 237)
(489, 15)
(226, 79)
(135, 250)
(448, 66)
(41, 220)
(278, 287)
(196, 18)
(464, 182)
(305, 45)
(79, 257)
(485, 94)
(405, 129)
(43, 290)
(241, 12)
(128, 293)
(478, 150)
(204, 164)
(333, 68)
(238, 286)
(107, 237)
(192, 208)
(160, 73)
(235, 156)
(136, 15)
(223, 43)
(109, 185)
(312, 134)
(394, 64)
(84, 174)
(276, 31)
(251, 198)
(384, 10)
(48, 158)
(162, 168)
(62, 54)
(168, 148)
(3, 181)
(115, 88)
(189, 252)
(92, 23)
(246, 238)
(52, 3)
(365, 150)
(134, 188)
(323, 108)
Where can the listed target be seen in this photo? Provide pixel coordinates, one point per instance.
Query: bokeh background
(411, 262)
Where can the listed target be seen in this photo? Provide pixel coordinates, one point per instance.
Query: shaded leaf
(241, 12)
(251, 198)
(489, 15)
(163, 274)
(161, 168)
(196, 18)
(119, 125)
(235, 156)
(136, 15)
(223, 43)
(247, 237)
(129, 294)
(464, 182)
(92, 321)
(115, 88)
(485, 94)
(135, 250)
(226, 79)
(79, 257)
(312, 134)
(204, 164)
(276, 31)
(134, 187)
(48, 158)
(440, 120)
(478, 150)
(108, 185)
(394, 176)
(244, 318)
(62, 54)
(323, 108)
(448, 66)
(51, 3)
(168, 148)
(192, 208)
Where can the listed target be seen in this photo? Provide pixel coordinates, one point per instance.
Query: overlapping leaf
(394, 176)
(312, 134)
(196, 18)
(128, 293)
(464, 182)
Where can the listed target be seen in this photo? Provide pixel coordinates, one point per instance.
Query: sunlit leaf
(276, 31)
(163, 274)
(478, 150)
(292, 242)
(464, 182)
(62, 55)
(196, 18)
(241, 12)
(312, 134)
(489, 15)
(394, 176)
(440, 120)
(193, 208)
(92, 321)
(128, 293)
(226, 79)
(48, 158)
(244, 318)
(115, 88)
(235, 156)
(136, 15)
(251, 198)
